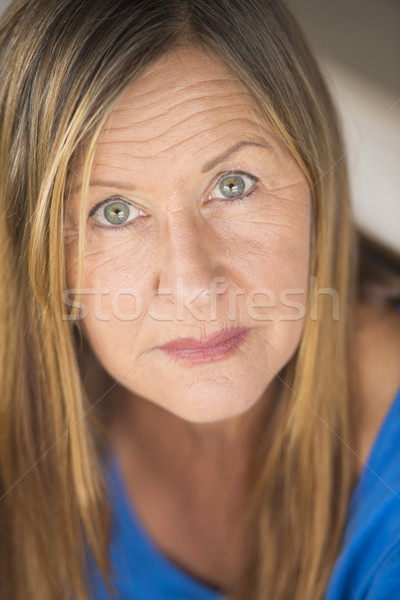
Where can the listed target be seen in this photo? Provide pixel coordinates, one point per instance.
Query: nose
(191, 270)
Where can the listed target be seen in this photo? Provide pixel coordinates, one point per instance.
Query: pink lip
(191, 343)
(219, 346)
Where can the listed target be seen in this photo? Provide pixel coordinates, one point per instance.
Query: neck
(168, 442)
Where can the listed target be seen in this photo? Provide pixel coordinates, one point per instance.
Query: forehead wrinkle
(175, 146)
(180, 105)
(199, 113)
(128, 102)
(215, 126)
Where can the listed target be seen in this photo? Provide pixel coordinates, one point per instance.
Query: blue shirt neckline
(132, 522)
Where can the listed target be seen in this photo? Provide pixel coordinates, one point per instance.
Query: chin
(209, 408)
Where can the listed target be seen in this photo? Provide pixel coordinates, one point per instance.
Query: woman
(184, 412)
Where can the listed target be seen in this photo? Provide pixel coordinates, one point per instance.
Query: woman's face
(198, 220)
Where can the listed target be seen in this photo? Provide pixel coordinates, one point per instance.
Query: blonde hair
(63, 67)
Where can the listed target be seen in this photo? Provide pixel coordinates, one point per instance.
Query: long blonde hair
(63, 66)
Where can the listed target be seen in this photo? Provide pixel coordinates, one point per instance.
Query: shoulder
(376, 368)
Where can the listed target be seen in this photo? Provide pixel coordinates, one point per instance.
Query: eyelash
(115, 228)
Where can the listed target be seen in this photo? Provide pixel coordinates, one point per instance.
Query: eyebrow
(207, 167)
(221, 157)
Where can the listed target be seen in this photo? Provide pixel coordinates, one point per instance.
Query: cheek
(114, 271)
(271, 260)
(115, 283)
(112, 327)
(117, 287)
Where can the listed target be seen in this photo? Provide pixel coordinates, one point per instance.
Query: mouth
(220, 345)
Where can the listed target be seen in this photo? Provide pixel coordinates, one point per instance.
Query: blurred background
(357, 43)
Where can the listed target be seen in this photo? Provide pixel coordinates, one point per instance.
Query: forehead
(185, 98)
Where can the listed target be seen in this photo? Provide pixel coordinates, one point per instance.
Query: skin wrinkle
(173, 146)
(178, 110)
(186, 238)
(191, 103)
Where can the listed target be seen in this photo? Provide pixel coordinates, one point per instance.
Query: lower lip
(210, 353)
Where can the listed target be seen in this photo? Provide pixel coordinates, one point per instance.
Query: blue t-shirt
(367, 568)
(142, 571)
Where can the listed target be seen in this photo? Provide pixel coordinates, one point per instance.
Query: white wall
(357, 43)
(371, 124)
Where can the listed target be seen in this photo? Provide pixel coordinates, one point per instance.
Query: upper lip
(187, 343)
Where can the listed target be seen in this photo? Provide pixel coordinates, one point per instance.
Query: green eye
(232, 186)
(116, 212)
